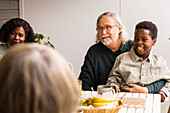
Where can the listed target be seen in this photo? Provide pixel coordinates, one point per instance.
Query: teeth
(140, 48)
(104, 36)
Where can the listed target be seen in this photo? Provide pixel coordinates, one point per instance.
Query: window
(8, 9)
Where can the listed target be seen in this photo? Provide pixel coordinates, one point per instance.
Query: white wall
(71, 24)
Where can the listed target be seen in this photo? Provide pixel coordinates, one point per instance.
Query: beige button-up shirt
(129, 68)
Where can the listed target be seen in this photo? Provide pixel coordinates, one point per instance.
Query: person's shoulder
(95, 47)
(127, 54)
(158, 58)
(123, 55)
(129, 43)
(3, 45)
(127, 46)
(3, 48)
(95, 50)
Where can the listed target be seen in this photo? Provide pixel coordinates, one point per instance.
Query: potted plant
(42, 40)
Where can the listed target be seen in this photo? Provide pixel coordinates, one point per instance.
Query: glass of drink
(80, 86)
(106, 90)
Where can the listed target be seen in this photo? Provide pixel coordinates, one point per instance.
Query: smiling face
(143, 42)
(17, 36)
(111, 36)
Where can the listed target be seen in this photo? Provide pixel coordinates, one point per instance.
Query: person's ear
(120, 28)
(154, 42)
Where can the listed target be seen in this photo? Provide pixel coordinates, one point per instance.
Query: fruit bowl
(114, 110)
(101, 105)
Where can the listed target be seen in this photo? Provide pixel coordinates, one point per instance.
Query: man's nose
(104, 31)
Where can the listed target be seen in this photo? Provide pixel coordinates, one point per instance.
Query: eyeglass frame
(105, 28)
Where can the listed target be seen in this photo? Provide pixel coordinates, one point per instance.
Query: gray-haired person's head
(123, 34)
(35, 78)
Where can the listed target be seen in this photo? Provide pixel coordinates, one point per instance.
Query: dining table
(134, 102)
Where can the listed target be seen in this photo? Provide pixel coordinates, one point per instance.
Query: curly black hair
(149, 26)
(6, 29)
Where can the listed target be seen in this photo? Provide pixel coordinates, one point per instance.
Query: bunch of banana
(99, 101)
(103, 101)
(86, 102)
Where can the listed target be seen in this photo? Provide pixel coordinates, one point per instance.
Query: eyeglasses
(107, 28)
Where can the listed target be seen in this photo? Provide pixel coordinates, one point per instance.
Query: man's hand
(163, 96)
(135, 89)
(116, 89)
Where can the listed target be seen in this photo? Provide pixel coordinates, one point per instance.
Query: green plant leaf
(40, 37)
(49, 44)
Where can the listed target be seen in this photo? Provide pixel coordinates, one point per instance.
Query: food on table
(99, 104)
(99, 101)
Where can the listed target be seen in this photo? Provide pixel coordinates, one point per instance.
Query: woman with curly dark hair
(14, 32)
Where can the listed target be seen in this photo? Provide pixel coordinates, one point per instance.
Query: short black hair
(150, 26)
(7, 27)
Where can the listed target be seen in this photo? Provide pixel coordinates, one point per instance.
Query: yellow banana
(99, 101)
(104, 104)
(116, 103)
(102, 100)
(99, 104)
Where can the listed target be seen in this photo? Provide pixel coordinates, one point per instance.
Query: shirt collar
(150, 58)
(135, 58)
